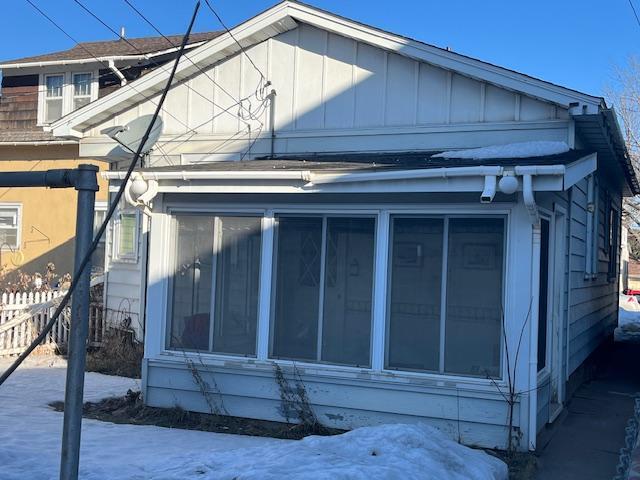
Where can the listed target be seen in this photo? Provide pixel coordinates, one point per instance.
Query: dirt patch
(522, 465)
(131, 410)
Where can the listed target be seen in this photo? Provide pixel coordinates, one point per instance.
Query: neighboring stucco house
(37, 225)
(303, 216)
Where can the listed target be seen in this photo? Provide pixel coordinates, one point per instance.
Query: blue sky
(569, 42)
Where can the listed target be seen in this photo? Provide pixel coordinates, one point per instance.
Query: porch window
(445, 295)
(53, 97)
(323, 282)
(214, 306)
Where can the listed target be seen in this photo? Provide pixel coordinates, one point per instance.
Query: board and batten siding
(336, 94)
(593, 302)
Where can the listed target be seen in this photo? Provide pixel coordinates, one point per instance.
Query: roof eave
(79, 61)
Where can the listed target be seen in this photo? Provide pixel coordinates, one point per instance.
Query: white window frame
(216, 239)
(18, 208)
(117, 256)
(443, 290)
(161, 271)
(323, 258)
(73, 92)
(67, 91)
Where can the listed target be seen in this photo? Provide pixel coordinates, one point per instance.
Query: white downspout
(533, 336)
(118, 73)
(489, 191)
(529, 199)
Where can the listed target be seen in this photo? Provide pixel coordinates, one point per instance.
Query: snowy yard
(30, 440)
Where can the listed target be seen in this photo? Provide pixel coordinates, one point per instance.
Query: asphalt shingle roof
(144, 45)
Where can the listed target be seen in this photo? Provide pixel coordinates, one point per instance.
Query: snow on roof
(509, 150)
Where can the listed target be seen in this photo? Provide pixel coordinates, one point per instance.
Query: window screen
(192, 276)
(415, 288)
(237, 285)
(217, 262)
(465, 338)
(323, 289)
(474, 296)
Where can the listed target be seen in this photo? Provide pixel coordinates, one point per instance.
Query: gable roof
(286, 16)
(134, 47)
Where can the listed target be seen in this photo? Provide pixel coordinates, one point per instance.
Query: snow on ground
(628, 329)
(30, 435)
(510, 150)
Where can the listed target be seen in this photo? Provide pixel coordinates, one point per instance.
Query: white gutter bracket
(118, 73)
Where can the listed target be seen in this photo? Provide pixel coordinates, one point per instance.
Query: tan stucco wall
(48, 215)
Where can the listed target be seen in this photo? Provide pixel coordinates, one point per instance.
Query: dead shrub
(120, 354)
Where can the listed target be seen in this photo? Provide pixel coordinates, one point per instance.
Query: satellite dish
(130, 135)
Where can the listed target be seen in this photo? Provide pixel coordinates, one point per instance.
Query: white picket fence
(24, 315)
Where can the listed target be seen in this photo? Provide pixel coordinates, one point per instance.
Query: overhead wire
(86, 9)
(116, 200)
(152, 25)
(234, 38)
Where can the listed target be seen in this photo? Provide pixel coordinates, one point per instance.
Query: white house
(301, 217)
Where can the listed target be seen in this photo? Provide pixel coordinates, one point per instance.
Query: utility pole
(84, 180)
(87, 186)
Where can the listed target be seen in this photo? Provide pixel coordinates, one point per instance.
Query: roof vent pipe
(122, 33)
(489, 189)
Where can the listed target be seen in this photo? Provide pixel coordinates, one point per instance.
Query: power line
(53, 22)
(234, 38)
(86, 9)
(116, 200)
(635, 13)
(152, 25)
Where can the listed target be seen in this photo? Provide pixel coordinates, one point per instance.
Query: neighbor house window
(445, 295)
(53, 104)
(322, 289)
(98, 257)
(81, 90)
(215, 287)
(9, 226)
(125, 236)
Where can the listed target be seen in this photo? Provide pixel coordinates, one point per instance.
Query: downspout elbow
(529, 198)
(489, 190)
(117, 73)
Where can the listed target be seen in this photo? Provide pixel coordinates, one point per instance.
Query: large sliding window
(323, 286)
(217, 262)
(445, 295)
(444, 292)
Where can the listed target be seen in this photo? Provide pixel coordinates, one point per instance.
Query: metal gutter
(79, 61)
